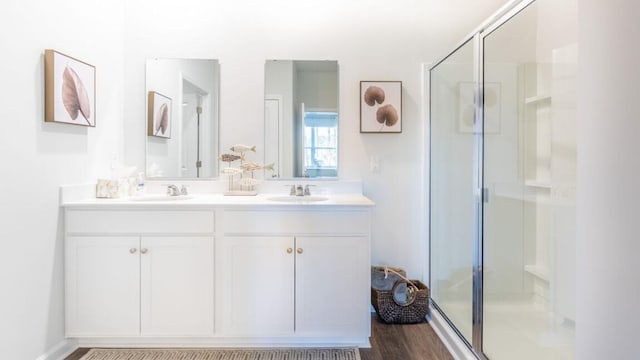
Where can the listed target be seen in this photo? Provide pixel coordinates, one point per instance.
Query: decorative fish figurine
(239, 148)
(251, 166)
(231, 157)
(269, 167)
(248, 182)
(230, 171)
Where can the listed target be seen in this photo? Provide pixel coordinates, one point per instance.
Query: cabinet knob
(133, 250)
(143, 250)
(289, 250)
(299, 251)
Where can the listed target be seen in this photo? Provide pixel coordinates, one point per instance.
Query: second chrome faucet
(298, 190)
(172, 190)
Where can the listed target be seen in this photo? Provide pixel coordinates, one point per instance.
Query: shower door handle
(481, 195)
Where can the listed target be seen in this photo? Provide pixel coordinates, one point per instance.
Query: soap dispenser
(140, 188)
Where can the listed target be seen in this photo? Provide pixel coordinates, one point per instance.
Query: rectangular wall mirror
(182, 118)
(301, 118)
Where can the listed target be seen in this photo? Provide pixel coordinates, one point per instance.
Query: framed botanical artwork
(466, 107)
(159, 113)
(70, 90)
(380, 106)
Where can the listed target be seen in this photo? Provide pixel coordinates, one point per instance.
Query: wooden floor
(404, 342)
(77, 354)
(388, 342)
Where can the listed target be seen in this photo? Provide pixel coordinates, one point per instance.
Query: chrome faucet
(307, 192)
(172, 190)
(299, 190)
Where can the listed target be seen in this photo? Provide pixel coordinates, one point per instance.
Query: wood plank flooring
(77, 354)
(404, 342)
(388, 342)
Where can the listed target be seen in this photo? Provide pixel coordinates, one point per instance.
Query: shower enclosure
(502, 184)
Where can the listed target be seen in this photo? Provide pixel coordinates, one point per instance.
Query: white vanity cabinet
(293, 273)
(218, 271)
(139, 273)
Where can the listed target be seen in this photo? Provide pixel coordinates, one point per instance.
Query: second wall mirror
(301, 118)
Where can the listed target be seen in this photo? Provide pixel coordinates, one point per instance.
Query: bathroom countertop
(220, 200)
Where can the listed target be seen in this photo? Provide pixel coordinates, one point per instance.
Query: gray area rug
(223, 354)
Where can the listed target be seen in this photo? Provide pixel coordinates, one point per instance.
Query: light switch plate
(374, 164)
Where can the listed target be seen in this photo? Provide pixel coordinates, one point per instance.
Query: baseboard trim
(60, 351)
(222, 342)
(452, 342)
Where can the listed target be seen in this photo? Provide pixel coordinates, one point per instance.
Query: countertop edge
(215, 201)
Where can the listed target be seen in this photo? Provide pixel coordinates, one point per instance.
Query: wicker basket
(392, 311)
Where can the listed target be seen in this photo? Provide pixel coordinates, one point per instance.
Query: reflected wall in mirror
(301, 118)
(193, 87)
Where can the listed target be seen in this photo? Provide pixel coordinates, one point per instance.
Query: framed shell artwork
(70, 90)
(380, 106)
(159, 113)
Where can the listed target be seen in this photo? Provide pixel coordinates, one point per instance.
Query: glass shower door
(529, 159)
(453, 155)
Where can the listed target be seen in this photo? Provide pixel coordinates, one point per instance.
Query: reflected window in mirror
(301, 118)
(320, 144)
(192, 87)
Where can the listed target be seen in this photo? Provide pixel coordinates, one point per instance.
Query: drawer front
(139, 222)
(295, 222)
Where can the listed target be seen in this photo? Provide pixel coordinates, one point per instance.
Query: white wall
(608, 288)
(38, 157)
(371, 40)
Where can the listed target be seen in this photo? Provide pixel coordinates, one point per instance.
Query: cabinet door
(255, 283)
(177, 285)
(332, 286)
(102, 286)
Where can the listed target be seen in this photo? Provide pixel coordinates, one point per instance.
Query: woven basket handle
(413, 290)
(389, 270)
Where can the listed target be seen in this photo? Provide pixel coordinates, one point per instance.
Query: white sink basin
(160, 197)
(298, 199)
